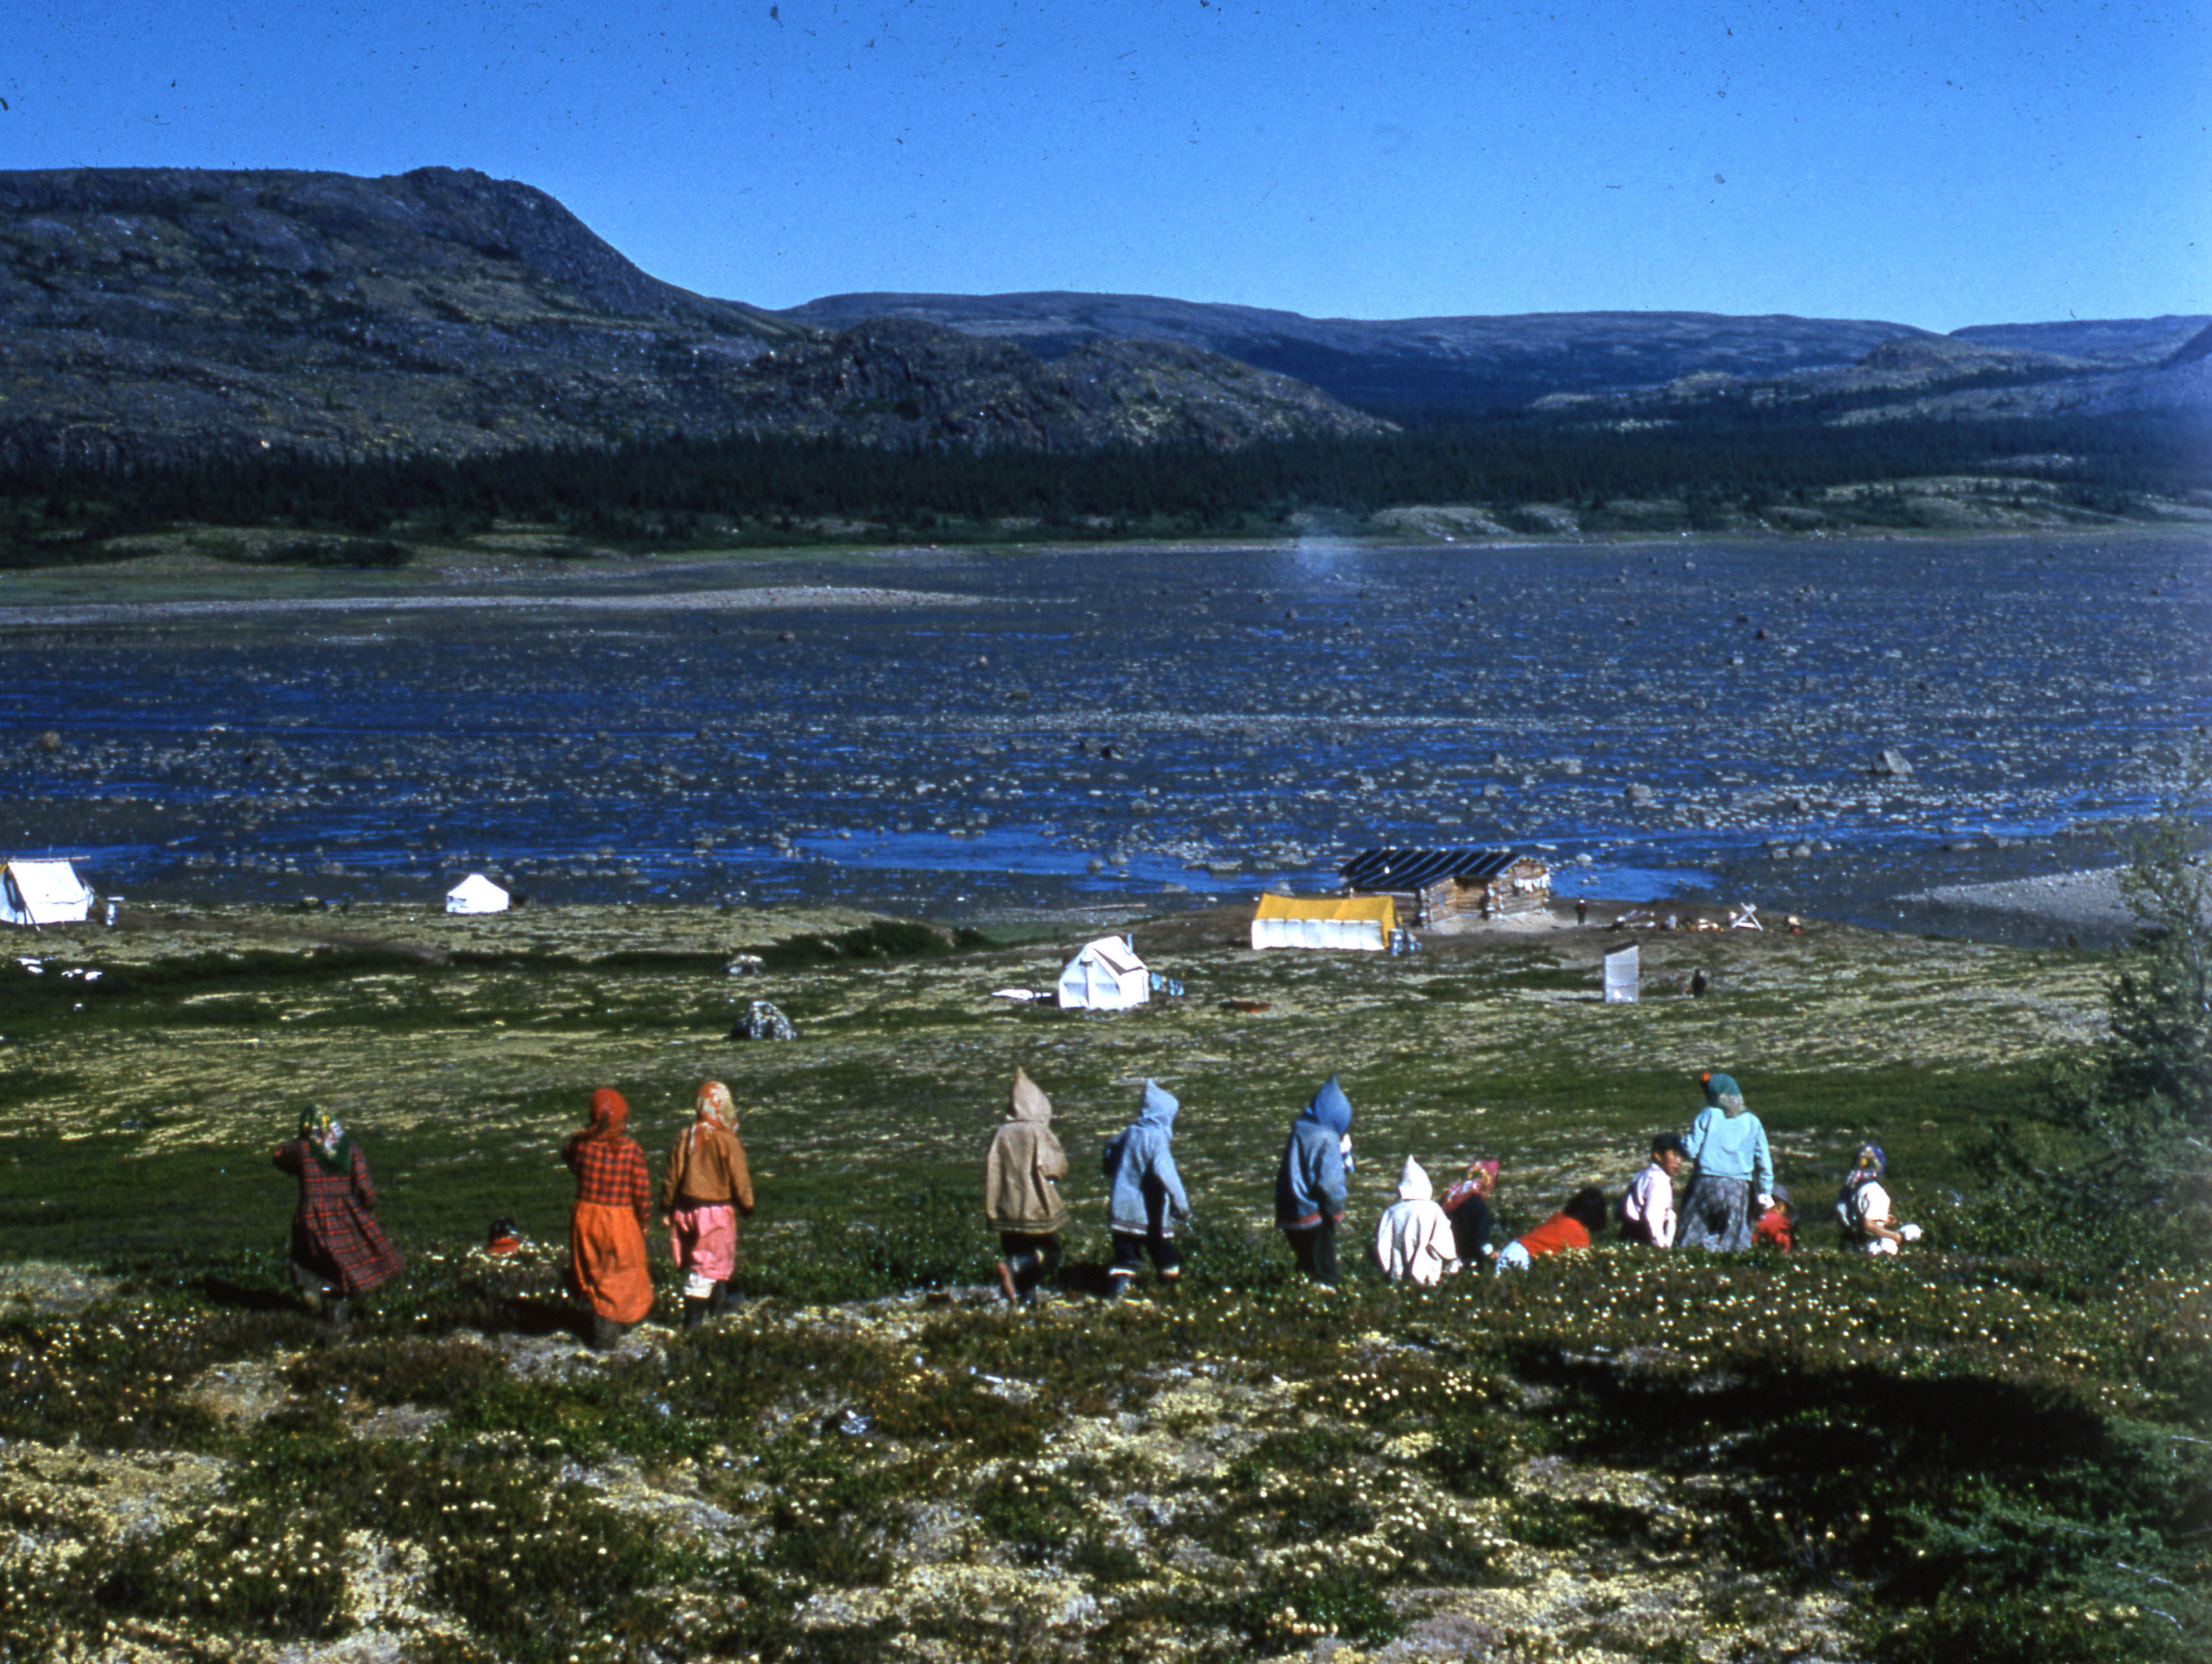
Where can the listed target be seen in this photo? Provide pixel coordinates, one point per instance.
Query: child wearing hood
(1413, 1239)
(1309, 1183)
(1728, 1147)
(1021, 1191)
(1143, 1191)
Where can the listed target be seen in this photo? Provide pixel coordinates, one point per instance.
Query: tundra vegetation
(1994, 1446)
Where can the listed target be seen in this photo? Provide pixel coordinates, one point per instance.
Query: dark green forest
(671, 493)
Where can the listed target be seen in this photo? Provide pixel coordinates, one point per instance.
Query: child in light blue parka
(1144, 1191)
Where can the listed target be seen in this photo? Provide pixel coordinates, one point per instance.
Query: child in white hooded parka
(1413, 1239)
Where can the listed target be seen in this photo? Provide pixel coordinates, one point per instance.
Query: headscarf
(328, 1142)
(1869, 1168)
(610, 1110)
(1723, 1090)
(1480, 1178)
(713, 1105)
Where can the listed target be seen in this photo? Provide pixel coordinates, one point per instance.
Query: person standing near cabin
(1021, 1191)
(338, 1250)
(706, 1187)
(1143, 1191)
(1310, 1185)
(1728, 1146)
(606, 1233)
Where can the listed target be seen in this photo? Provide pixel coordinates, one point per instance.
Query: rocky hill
(899, 383)
(1641, 362)
(2115, 342)
(1979, 374)
(163, 315)
(153, 314)
(1469, 363)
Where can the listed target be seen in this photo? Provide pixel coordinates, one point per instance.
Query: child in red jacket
(1771, 1229)
(1572, 1227)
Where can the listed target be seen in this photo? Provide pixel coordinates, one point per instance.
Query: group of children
(1732, 1203)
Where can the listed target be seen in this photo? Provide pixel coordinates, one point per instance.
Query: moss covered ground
(1960, 1455)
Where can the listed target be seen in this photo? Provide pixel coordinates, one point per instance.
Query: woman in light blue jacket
(1734, 1168)
(1144, 1191)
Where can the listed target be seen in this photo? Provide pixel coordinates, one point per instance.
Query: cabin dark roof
(1416, 869)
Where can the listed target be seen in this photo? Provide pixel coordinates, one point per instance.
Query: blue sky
(1944, 165)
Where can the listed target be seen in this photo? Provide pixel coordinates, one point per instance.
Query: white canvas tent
(42, 893)
(1624, 977)
(1106, 975)
(476, 894)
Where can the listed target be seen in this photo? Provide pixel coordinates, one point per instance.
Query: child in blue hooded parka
(1144, 1191)
(1310, 1185)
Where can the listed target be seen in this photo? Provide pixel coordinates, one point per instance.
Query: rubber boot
(335, 1313)
(720, 1300)
(606, 1332)
(694, 1311)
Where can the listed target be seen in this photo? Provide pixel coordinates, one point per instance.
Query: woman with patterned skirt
(338, 1250)
(1735, 1172)
(606, 1233)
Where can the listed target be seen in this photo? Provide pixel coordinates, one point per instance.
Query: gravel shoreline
(2086, 906)
(694, 600)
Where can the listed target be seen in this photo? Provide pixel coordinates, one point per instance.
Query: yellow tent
(1363, 924)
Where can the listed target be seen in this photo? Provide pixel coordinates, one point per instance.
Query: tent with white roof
(35, 892)
(1106, 975)
(476, 894)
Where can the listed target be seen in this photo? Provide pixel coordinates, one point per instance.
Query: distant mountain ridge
(2147, 367)
(162, 314)
(1469, 364)
(148, 315)
(1474, 364)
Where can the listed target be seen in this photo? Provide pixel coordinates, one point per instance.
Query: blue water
(1268, 712)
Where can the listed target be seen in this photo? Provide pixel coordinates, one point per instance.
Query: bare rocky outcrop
(1470, 363)
(896, 381)
(160, 315)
